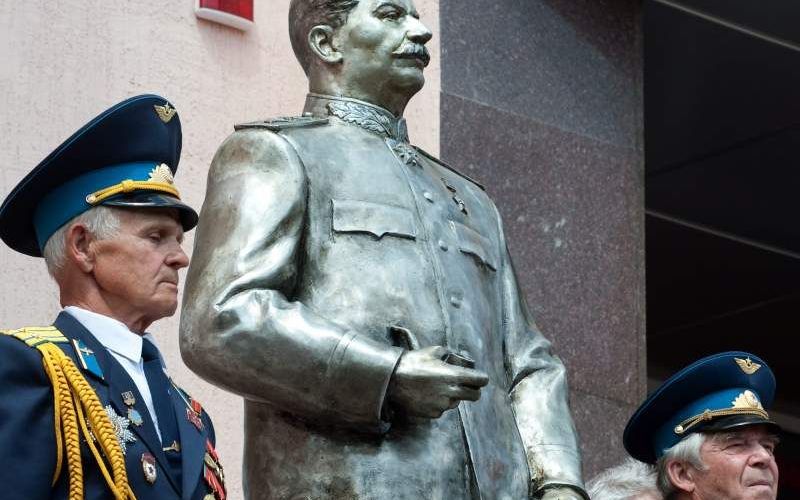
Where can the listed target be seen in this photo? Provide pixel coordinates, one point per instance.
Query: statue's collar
(368, 116)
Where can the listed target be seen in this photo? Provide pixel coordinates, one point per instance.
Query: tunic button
(428, 196)
(443, 245)
(455, 301)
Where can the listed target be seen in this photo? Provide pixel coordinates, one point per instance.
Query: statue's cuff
(364, 367)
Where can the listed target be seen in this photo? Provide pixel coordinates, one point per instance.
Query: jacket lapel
(193, 442)
(116, 379)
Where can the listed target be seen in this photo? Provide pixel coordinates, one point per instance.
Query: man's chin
(761, 492)
(165, 308)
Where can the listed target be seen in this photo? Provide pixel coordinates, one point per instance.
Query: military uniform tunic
(319, 235)
(27, 427)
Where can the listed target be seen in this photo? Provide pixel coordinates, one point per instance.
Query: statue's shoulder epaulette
(283, 123)
(36, 335)
(448, 167)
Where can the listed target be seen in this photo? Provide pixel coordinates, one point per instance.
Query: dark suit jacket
(27, 437)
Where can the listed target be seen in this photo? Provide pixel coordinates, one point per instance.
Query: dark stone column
(542, 101)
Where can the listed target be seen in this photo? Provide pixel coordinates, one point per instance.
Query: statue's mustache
(413, 51)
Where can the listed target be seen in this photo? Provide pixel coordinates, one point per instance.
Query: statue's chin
(410, 82)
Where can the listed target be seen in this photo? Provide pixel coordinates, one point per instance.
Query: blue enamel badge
(87, 359)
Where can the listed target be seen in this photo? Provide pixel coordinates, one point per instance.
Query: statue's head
(367, 49)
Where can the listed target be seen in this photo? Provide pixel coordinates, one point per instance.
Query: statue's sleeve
(538, 390)
(240, 327)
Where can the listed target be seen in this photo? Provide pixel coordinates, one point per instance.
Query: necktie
(165, 411)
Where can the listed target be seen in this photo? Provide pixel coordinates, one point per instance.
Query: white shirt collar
(112, 334)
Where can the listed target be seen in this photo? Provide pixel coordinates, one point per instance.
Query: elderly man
(630, 480)
(708, 432)
(359, 294)
(86, 408)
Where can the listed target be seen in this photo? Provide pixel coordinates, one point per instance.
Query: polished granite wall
(541, 101)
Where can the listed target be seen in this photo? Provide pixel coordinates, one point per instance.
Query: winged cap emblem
(747, 365)
(165, 112)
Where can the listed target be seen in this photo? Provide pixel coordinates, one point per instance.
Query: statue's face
(383, 47)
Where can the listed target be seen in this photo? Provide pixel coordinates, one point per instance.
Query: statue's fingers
(471, 378)
(466, 393)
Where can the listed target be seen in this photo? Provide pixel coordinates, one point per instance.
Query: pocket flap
(471, 243)
(351, 216)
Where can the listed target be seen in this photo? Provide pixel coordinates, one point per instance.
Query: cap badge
(162, 174)
(747, 365)
(165, 112)
(747, 400)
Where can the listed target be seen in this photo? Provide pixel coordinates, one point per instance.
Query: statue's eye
(390, 14)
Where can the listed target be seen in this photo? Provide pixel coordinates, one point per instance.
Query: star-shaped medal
(120, 424)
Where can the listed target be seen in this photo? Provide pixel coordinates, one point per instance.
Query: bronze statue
(353, 289)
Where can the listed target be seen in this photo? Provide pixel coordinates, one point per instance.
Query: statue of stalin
(358, 293)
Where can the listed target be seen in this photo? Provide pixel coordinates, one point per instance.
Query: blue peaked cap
(719, 392)
(126, 156)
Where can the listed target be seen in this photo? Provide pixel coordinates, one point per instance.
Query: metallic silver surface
(336, 271)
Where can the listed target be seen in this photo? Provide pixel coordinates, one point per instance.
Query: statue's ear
(320, 39)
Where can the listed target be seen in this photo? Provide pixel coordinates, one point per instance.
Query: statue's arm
(240, 327)
(538, 390)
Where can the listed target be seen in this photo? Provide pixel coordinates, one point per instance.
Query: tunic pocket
(472, 243)
(352, 216)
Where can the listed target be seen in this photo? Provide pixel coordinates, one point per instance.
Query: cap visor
(150, 199)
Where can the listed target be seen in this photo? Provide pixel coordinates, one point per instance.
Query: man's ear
(320, 39)
(78, 248)
(681, 475)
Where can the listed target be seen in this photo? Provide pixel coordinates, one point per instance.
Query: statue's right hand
(425, 386)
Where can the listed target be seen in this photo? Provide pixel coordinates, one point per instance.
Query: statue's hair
(101, 221)
(305, 14)
(624, 481)
(686, 450)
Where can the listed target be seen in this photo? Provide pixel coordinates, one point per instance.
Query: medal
(133, 414)
(194, 418)
(149, 467)
(120, 425)
(213, 473)
(135, 417)
(128, 398)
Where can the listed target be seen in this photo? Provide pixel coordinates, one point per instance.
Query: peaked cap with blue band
(717, 393)
(126, 157)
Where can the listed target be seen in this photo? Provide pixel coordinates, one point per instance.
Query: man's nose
(761, 457)
(178, 258)
(418, 32)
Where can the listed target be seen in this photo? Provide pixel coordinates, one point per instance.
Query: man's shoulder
(449, 167)
(18, 353)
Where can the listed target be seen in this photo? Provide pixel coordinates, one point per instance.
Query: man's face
(740, 466)
(383, 48)
(137, 271)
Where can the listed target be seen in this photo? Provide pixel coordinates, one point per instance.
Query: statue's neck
(393, 102)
